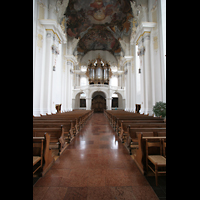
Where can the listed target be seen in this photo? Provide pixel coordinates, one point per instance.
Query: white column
(108, 103)
(88, 103)
(130, 85)
(133, 79)
(142, 110)
(143, 40)
(126, 87)
(162, 35)
(69, 85)
(65, 87)
(148, 105)
(135, 72)
(47, 84)
(45, 63)
(39, 67)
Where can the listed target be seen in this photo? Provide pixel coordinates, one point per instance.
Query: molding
(145, 27)
(127, 59)
(72, 59)
(52, 25)
(142, 36)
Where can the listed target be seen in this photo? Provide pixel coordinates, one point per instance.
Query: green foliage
(160, 109)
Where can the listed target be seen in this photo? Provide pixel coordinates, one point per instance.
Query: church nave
(95, 165)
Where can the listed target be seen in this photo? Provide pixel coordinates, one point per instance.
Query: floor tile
(138, 180)
(55, 193)
(58, 172)
(144, 193)
(79, 193)
(123, 193)
(100, 193)
(96, 177)
(39, 192)
(48, 181)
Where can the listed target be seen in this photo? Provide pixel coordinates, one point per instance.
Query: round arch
(80, 102)
(92, 93)
(105, 55)
(120, 100)
(98, 101)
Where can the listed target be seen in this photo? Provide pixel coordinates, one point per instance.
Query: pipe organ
(98, 72)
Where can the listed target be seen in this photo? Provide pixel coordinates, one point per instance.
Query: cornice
(52, 25)
(71, 58)
(145, 27)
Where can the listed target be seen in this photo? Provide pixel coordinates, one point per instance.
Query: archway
(119, 101)
(80, 101)
(98, 102)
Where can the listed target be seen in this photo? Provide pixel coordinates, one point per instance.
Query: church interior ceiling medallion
(98, 24)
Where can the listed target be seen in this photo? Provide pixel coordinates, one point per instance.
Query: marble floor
(96, 165)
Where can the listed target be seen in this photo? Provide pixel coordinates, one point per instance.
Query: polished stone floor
(94, 166)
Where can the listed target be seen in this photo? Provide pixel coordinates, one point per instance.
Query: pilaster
(142, 39)
(88, 103)
(108, 103)
(128, 69)
(53, 36)
(69, 83)
(47, 98)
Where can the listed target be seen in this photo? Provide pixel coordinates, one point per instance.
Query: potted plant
(160, 109)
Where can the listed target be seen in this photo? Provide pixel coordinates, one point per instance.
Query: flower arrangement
(160, 109)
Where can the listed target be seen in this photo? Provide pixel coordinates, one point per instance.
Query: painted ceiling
(99, 24)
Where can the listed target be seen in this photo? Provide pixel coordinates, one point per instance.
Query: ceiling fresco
(99, 24)
(99, 38)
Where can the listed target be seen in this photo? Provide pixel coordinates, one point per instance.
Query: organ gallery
(99, 72)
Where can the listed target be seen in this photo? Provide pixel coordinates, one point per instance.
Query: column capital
(143, 29)
(52, 25)
(72, 59)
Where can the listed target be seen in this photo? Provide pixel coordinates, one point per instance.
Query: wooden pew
(132, 136)
(125, 125)
(140, 156)
(74, 121)
(56, 136)
(41, 149)
(61, 121)
(38, 156)
(68, 128)
(80, 116)
(114, 116)
(120, 121)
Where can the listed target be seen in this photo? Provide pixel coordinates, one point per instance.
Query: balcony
(98, 86)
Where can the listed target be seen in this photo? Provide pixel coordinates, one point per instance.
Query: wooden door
(98, 103)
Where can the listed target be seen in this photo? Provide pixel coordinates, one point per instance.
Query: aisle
(94, 166)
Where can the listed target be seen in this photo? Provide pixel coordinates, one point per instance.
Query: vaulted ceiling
(98, 24)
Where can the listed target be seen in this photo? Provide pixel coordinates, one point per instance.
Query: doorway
(98, 104)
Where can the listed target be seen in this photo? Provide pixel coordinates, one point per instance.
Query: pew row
(68, 128)
(78, 117)
(140, 155)
(131, 121)
(132, 138)
(42, 154)
(115, 116)
(124, 127)
(56, 137)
